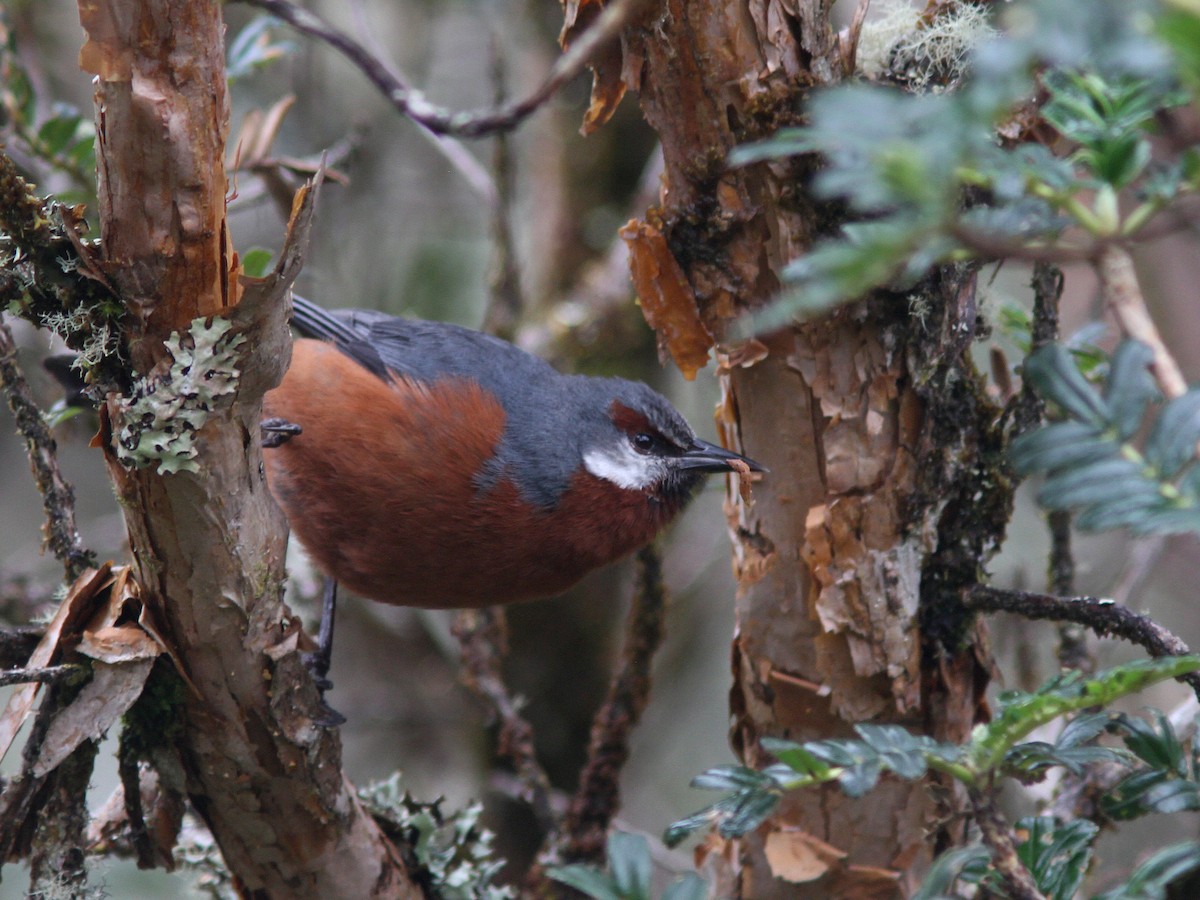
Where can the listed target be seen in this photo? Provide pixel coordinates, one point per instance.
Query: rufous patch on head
(629, 420)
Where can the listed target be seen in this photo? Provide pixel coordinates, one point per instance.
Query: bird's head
(639, 442)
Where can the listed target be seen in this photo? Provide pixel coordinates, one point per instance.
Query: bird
(425, 464)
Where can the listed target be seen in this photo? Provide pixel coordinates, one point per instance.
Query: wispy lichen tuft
(898, 44)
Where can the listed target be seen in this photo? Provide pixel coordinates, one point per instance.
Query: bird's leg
(318, 662)
(277, 431)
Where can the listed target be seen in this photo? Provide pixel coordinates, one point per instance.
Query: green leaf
(785, 142)
(682, 829)
(1135, 510)
(857, 780)
(1173, 440)
(1061, 445)
(586, 880)
(56, 133)
(1018, 713)
(1051, 370)
(798, 759)
(629, 863)
(1158, 747)
(256, 262)
(1149, 881)
(1130, 386)
(898, 749)
(1083, 729)
(1056, 855)
(1131, 797)
(689, 887)
(1073, 750)
(1168, 521)
(1119, 162)
(59, 413)
(728, 778)
(867, 255)
(1104, 481)
(966, 863)
(752, 810)
(733, 815)
(253, 48)
(1172, 796)
(1181, 30)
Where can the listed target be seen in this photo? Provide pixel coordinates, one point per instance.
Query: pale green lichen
(455, 850)
(162, 414)
(896, 44)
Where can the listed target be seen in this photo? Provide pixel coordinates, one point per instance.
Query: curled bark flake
(667, 299)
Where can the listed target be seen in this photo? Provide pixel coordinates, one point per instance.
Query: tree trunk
(850, 554)
(209, 544)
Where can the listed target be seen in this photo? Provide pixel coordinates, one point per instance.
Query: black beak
(710, 458)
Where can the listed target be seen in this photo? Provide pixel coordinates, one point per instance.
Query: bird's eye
(642, 442)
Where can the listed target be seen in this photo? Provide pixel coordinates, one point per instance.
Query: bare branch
(482, 635)
(1105, 617)
(998, 836)
(58, 499)
(505, 302)
(471, 169)
(17, 800)
(1123, 295)
(597, 798)
(409, 101)
(39, 675)
(990, 246)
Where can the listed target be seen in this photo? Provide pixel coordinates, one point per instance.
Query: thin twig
(58, 499)
(16, 803)
(991, 246)
(1123, 296)
(998, 836)
(58, 856)
(129, 770)
(504, 303)
(585, 829)
(411, 102)
(1047, 283)
(47, 675)
(1027, 409)
(472, 170)
(1104, 617)
(1072, 636)
(481, 634)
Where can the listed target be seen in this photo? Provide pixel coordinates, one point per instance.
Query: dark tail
(313, 321)
(62, 369)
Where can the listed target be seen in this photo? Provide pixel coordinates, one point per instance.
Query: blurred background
(411, 229)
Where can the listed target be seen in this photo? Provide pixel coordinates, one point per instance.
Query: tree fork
(208, 545)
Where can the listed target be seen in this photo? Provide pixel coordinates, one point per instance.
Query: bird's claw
(276, 432)
(328, 717)
(318, 665)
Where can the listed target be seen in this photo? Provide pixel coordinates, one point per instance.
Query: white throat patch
(624, 467)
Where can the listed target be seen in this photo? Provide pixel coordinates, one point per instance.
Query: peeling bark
(874, 433)
(209, 545)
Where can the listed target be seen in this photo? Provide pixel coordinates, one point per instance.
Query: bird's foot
(276, 432)
(318, 666)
